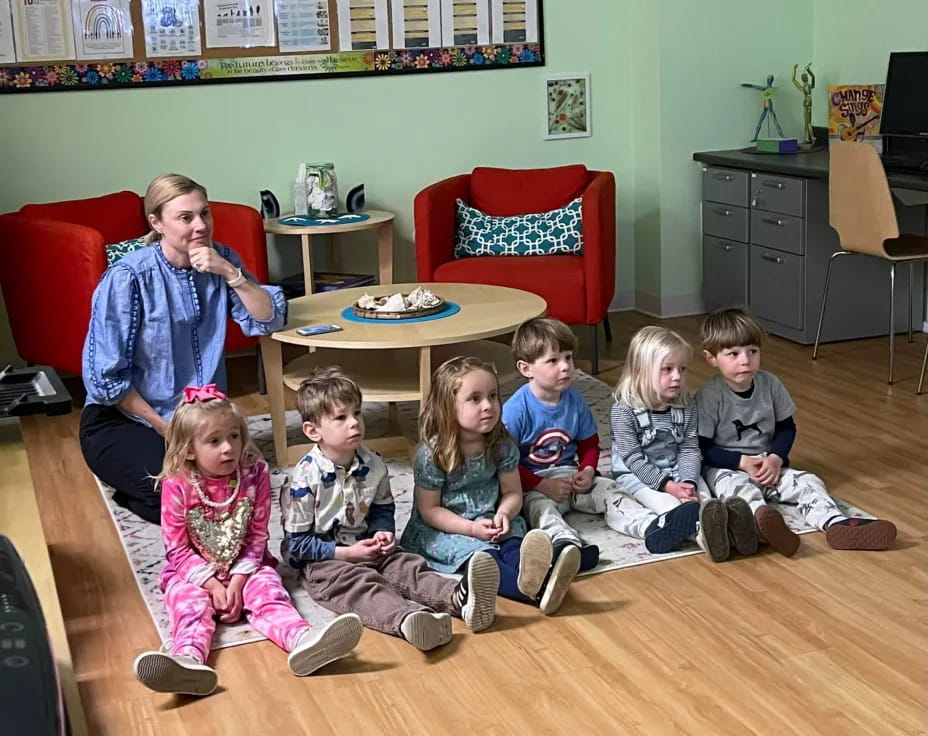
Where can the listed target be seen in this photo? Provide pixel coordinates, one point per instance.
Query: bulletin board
(62, 45)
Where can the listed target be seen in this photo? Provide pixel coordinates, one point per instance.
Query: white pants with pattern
(796, 487)
(623, 512)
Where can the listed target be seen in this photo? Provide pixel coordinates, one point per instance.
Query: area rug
(145, 551)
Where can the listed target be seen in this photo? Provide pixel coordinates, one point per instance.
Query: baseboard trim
(623, 301)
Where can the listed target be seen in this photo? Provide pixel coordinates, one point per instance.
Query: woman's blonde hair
(639, 384)
(162, 190)
(187, 420)
(438, 424)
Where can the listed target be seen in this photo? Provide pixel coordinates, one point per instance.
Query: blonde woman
(158, 323)
(656, 458)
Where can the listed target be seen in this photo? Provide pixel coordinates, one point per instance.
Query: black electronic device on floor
(30, 692)
(33, 390)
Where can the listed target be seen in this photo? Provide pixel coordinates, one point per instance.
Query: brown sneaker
(773, 529)
(872, 534)
(741, 527)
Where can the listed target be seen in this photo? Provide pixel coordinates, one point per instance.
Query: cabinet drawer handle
(774, 221)
(775, 184)
(724, 177)
(727, 247)
(724, 213)
(772, 259)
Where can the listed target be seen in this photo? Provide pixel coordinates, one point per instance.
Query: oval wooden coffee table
(391, 360)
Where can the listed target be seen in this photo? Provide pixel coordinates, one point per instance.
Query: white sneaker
(426, 630)
(534, 562)
(318, 647)
(170, 673)
(475, 595)
(564, 570)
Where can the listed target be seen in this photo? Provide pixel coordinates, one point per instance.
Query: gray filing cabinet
(766, 243)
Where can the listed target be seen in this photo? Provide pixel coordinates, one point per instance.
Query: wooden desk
(378, 219)
(20, 521)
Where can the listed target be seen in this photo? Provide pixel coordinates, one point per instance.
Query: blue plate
(449, 309)
(306, 221)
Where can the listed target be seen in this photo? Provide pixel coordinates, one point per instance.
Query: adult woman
(158, 323)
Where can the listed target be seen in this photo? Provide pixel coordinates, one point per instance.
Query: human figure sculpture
(806, 85)
(766, 91)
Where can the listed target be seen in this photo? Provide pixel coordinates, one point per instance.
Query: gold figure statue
(806, 86)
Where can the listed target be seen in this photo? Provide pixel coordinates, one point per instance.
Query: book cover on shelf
(854, 112)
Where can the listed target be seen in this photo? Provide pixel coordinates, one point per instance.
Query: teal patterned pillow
(115, 251)
(558, 232)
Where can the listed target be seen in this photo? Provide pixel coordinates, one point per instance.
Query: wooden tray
(414, 314)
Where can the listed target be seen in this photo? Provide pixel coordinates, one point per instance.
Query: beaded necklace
(218, 504)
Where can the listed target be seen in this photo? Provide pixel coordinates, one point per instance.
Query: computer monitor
(905, 101)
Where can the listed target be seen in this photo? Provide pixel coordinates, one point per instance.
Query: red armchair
(578, 288)
(53, 255)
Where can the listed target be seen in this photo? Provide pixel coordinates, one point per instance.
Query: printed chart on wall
(42, 30)
(239, 23)
(102, 29)
(416, 24)
(7, 50)
(172, 27)
(303, 25)
(363, 25)
(465, 22)
(515, 21)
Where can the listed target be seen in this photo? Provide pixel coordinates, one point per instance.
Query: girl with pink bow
(215, 506)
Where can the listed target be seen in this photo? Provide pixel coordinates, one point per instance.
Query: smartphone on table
(317, 330)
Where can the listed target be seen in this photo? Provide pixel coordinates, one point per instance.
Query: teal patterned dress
(471, 491)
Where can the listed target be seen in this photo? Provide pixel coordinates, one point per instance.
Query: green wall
(395, 134)
(665, 76)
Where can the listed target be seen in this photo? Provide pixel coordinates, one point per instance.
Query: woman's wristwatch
(237, 280)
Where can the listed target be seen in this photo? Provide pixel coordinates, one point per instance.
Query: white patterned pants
(623, 512)
(797, 487)
(640, 504)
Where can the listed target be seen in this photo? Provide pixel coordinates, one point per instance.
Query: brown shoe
(773, 529)
(741, 527)
(873, 534)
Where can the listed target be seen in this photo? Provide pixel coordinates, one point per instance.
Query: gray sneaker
(712, 531)
(742, 530)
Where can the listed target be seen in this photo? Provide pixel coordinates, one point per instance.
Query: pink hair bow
(202, 393)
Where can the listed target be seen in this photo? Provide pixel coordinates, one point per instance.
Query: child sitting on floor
(468, 494)
(338, 520)
(215, 506)
(746, 431)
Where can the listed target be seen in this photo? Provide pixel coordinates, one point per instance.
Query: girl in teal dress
(468, 494)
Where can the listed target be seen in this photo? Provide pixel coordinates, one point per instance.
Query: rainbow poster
(102, 29)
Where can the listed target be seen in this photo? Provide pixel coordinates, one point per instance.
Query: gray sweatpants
(797, 487)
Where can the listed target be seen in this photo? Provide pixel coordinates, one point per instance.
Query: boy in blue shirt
(557, 438)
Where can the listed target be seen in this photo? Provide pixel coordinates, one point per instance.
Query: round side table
(378, 220)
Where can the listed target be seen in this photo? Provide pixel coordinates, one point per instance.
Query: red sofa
(53, 255)
(578, 288)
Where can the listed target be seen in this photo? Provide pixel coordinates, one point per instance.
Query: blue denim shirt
(157, 328)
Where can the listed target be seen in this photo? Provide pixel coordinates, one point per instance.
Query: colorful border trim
(144, 74)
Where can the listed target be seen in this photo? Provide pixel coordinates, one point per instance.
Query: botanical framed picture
(567, 106)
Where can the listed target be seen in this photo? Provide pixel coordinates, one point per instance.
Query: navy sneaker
(668, 531)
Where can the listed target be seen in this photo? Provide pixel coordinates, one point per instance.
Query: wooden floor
(823, 643)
